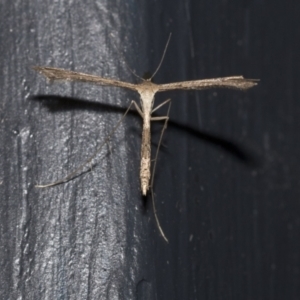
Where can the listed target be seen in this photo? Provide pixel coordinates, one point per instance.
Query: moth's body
(147, 91)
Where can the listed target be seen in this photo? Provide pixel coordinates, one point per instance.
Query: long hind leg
(80, 168)
(166, 118)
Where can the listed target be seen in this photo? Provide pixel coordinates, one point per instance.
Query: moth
(147, 90)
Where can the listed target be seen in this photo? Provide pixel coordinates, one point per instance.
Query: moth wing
(62, 74)
(233, 82)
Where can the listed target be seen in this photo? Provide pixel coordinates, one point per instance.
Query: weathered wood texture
(226, 185)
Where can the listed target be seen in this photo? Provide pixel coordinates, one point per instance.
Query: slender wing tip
(49, 72)
(39, 68)
(252, 82)
(245, 83)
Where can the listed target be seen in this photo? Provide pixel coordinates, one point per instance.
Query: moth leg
(166, 118)
(160, 105)
(138, 109)
(88, 162)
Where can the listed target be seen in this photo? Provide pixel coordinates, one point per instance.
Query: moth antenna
(126, 64)
(163, 56)
(131, 71)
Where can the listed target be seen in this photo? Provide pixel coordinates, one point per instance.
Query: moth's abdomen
(145, 172)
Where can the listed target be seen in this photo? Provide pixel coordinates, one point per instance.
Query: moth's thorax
(147, 90)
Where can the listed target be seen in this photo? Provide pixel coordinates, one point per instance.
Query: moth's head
(147, 76)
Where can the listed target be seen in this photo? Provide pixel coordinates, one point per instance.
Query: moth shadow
(57, 103)
(238, 151)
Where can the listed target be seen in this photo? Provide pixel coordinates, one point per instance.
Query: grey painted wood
(226, 186)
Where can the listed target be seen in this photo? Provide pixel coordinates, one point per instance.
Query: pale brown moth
(147, 90)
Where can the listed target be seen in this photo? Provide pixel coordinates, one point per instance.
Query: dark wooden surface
(227, 181)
